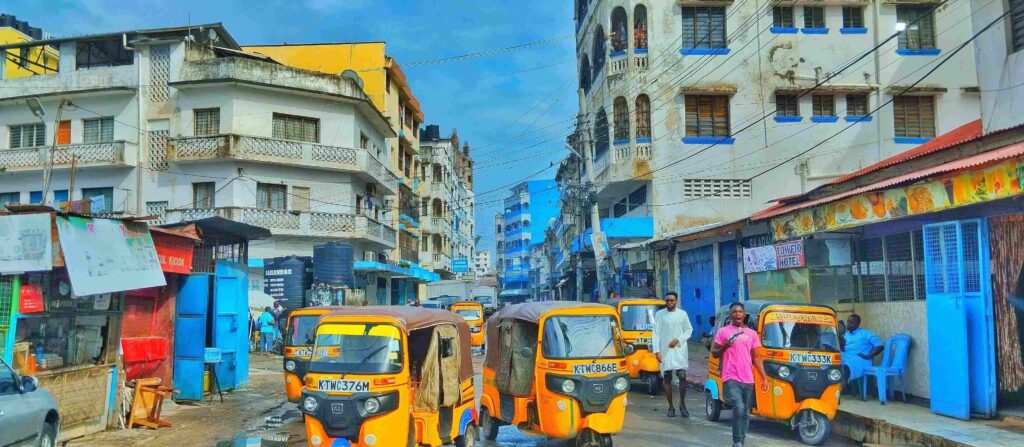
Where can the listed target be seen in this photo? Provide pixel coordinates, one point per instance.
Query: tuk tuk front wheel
(712, 408)
(591, 438)
(488, 425)
(653, 383)
(468, 439)
(813, 428)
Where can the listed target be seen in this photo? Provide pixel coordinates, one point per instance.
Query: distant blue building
(528, 210)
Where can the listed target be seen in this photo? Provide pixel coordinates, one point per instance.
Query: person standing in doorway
(671, 330)
(736, 345)
(268, 330)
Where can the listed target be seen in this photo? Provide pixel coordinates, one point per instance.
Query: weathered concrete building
(447, 202)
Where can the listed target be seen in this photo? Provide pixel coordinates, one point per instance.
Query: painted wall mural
(979, 185)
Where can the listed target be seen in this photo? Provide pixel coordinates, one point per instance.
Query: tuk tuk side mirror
(29, 384)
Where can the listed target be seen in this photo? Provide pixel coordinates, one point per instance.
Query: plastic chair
(894, 364)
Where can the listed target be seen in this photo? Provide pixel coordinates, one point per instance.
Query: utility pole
(586, 153)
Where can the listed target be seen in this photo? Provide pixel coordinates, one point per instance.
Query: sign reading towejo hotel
(787, 255)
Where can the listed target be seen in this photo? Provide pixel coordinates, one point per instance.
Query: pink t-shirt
(737, 360)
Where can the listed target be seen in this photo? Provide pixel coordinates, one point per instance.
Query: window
(300, 201)
(640, 27)
(27, 135)
(1016, 25)
(598, 52)
(64, 132)
(35, 197)
(203, 195)
(98, 130)
(704, 27)
(618, 32)
(890, 268)
(298, 128)
(920, 32)
(273, 197)
(643, 118)
(707, 116)
(710, 187)
(814, 17)
(601, 135)
(638, 198)
(782, 17)
(364, 143)
(786, 105)
(823, 105)
(621, 116)
(102, 199)
(853, 17)
(8, 198)
(207, 121)
(914, 116)
(585, 74)
(60, 196)
(857, 104)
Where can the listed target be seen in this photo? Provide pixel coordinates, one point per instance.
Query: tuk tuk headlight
(372, 405)
(621, 384)
(568, 386)
(289, 365)
(835, 374)
(784, 372)
(310, 404)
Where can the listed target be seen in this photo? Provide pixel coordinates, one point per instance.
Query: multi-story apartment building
(182, 124)
(529, 209)
(698, 113)
(447, 202)
(384, 82)
(482, 263)
(24, 61)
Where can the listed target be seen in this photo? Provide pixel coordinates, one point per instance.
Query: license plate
(800, 357)
(643, 340)
(594, 368)
(303, 352)
(344, 386)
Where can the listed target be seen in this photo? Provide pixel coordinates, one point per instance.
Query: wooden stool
(148, 403)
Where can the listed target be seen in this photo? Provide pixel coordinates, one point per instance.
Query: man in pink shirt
(736, 345)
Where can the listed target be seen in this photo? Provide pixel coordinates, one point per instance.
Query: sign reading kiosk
(104, 256)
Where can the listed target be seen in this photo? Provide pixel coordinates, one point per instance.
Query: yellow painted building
(385, 84)
(23, 62)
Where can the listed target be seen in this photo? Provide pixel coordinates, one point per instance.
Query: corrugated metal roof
(1013, 150)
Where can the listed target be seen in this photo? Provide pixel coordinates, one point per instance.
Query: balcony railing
(409, 254)
(437, 225)
(640, 58)
(277, 151)
(618, 62)
(297, 223)
(84, 155)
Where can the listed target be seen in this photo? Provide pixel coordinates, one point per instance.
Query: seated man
(859, 346)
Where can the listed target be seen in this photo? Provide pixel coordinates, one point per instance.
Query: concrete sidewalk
(895, 423)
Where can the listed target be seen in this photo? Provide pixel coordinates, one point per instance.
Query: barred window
(7, 198)
(1017, 24)
(620, 112)
(207, 121)
(713, 187)
(782, 17)
(707, 116)
(274, 197)
(823, 105)
(814, 17)
(853, 17)
(638, 198)
(98, 130)
(890, 268)
(104, 196)
(27, 135)
(601, 135)
(704, 27)
(298, 128)
(920, 22)
(914, 116)
(643, 117)
(787, 105)
(857, 104)
(203, 194)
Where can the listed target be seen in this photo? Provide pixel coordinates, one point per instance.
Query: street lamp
(37, 108)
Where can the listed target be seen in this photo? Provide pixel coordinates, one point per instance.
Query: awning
(514, 292)
(413, 271)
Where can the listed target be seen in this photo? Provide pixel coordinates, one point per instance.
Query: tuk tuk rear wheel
(468, 439)
(813, 428)
(653, 383)
(591, 438)
(712, 408)
(488, 425)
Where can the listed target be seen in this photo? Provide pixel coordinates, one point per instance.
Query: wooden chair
(148, 402)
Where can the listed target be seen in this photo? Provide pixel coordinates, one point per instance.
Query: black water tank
(332, 264)
(431, 133)
(287, 279)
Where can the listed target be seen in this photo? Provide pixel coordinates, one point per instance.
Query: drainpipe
(141, 121)
(878, 77)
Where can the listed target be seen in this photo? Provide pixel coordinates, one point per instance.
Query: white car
(28, 415)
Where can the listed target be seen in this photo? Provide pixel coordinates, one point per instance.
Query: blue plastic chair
(894, 364)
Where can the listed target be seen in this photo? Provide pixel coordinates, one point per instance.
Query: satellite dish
(212, 35)
(353, 76)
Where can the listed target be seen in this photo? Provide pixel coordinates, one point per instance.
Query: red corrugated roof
(984, 158)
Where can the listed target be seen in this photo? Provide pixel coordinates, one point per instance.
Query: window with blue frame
(35, 197)
(704, 31)
(620, 115)
(787, 108)
(643, 119)
(857, 107)
(707, 119)
(814, 20)
(782, 20)
(10, 198)
(913, 119)
(853, 20)
(823, 109)
(601, 137)
(919, 36)
(60, 195)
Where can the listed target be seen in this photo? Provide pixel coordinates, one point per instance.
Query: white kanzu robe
(669, 326)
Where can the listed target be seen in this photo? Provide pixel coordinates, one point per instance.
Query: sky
(514, 107)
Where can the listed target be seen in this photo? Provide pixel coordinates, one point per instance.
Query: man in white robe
(672, 329)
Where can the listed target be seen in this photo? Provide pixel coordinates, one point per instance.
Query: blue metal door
(190, 336)
(961, 367)
(697, 287)
(230, 328)
(729, 273)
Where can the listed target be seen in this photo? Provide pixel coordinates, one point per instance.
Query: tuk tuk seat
(894, 364)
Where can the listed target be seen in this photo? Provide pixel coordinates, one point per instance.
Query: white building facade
(447, 203)
(482, 265)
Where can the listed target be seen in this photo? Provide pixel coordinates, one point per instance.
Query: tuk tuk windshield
(357, 349)
(581, 337)
(800, 332)
(469, 313)
(638, 317)
(301, 330)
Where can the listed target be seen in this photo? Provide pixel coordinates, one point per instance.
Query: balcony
(298, 223)
(438, 189)
(627, 166)
(618, 63)
(85, 155)
(409, 254)
(186, 150)
(640, 58)
(437, 225)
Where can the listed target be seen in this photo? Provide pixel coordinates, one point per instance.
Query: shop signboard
(759, 259)
(460, 265)
(174, 253)
(30, 299)
(106, 255)
(25, 243)
(788, 255)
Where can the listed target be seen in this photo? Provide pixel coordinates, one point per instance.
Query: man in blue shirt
(267, 330)
(859, 346)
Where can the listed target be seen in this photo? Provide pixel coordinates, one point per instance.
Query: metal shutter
(689, 28)
(1017, 24)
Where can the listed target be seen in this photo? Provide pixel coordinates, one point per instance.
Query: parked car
(28, 415)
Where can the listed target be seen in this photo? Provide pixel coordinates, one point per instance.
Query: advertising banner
(788, 255)
(25, 243)
(105, 255)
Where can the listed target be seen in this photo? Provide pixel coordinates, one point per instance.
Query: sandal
(684, 412)
(671, 413)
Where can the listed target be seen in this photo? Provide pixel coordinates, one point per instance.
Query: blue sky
(514, 108)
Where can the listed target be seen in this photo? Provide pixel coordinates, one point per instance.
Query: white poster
(759, 259)
(26, 243)
(104, 255)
